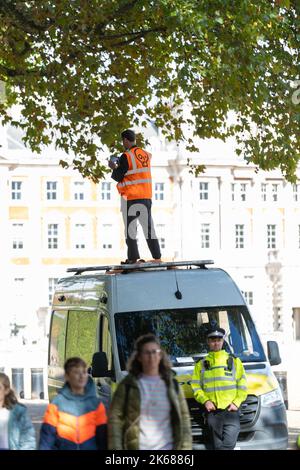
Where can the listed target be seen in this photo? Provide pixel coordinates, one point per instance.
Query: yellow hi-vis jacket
(137, 182)
(217, 383)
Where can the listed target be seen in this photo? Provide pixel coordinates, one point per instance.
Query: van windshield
(182, 332)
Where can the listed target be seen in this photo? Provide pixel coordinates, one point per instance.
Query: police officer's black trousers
(224, 427)
(139, 210)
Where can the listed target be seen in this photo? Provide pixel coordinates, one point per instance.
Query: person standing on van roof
(148, 409)
(219, 383)
(16, 429)
(76, 418)
(132, 171)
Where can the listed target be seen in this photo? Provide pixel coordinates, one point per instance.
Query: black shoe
(129, 261)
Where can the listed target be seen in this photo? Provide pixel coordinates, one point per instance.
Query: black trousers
(224, 428)
(139, 210)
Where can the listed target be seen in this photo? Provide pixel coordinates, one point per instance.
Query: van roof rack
(141, 266)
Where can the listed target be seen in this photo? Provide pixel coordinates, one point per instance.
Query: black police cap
(216, 333)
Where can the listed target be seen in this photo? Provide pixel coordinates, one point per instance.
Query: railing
(142, 266)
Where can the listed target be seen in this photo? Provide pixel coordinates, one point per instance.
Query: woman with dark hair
(16, 429)
(148, 409)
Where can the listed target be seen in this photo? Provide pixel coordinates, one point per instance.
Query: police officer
(219, 383)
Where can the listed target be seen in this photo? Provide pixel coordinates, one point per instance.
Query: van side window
(106, 341)
(58, 339)
(82, 334)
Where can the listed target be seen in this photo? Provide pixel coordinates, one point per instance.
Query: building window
(78, 190)
(271, 236)
(203, 191)
(239, 191)
(239, 236)
(160, 228)
(79, 236)
(16, 190)
(296, 191)
(275, 192)
(243, 191)
(52, 236)
(52, 281)
(264, 192)
(248, 297)
(205, 235)
(232, 191)
(17, 236)
(107, 236)
(159, 189)
(105, 191)
(51, 190)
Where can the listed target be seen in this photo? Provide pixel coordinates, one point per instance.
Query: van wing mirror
(273, 353)
(100, 365)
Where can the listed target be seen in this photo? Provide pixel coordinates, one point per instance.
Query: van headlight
(273, 398)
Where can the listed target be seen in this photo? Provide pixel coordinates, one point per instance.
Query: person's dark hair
(10, 399)
(74, 362)
(134, 366)
(128, 134)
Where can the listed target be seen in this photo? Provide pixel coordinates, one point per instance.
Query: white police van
(98, 312)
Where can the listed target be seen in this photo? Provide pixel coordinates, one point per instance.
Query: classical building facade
(51, 219)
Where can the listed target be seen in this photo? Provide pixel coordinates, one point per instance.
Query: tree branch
(123, 9)
(8, 8)
(136, 34)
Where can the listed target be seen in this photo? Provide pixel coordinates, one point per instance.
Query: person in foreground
(148, 410)
(16, 429)
(76, 418)
(219, 384)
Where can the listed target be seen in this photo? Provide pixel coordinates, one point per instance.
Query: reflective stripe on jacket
(218, 384)
(137, 182)
(74, 422)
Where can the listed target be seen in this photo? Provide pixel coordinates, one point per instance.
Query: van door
(57, 349)
(105, 384)
(82, 334)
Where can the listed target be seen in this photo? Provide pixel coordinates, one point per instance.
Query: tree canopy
(86, 68)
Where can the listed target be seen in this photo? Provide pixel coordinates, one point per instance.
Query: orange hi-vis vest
(137, 182)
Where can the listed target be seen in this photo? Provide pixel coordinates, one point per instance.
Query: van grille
(247, 417)
(248, 410)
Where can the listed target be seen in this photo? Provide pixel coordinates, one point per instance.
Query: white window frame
(16, 238)
(77, 236)
(205, 235)
(107, 242)
(264, 191)
(239, 232)
(159, 191)
(240, 191)
(79, 191)
(274, 192)
(243, 191)
(52, 282)
(53, 236)
(203, 190)
(106, 191)
(51, 191)
(296, 192)
(17, 192)
(272, 237)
